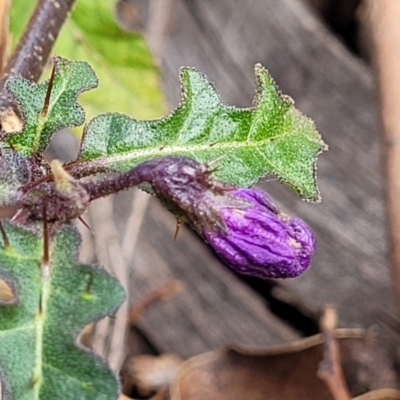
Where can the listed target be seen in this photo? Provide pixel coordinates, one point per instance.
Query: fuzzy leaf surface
(70, 79)
(39, 357)
(272, 137)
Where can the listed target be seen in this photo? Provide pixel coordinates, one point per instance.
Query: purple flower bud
(243, 226)
(259, 240)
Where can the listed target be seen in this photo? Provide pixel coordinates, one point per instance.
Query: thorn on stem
(89, 284)
(18, 215)
(72, 164)
(4, 236)
(177, 229)
(10, 144)
(46, 256)
(216, 160)
(86, 225)
(33, 184)
(35, 380)
(45, 108)
(40, 311)
(211, 171)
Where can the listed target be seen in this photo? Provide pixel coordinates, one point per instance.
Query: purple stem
(166, 173)
(144, 172)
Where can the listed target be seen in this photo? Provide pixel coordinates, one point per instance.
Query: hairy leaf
(39, 358)
(70, 79)
(272, 137)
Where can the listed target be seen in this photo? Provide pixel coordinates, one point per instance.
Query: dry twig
(330, 369)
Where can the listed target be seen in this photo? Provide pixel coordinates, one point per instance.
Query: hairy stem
(160, 172)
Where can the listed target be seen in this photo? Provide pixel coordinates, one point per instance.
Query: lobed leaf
(39, 357)
(70, 79)
(271, 137)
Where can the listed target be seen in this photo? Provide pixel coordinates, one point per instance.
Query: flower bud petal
(259, 240)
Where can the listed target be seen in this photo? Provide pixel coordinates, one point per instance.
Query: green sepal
(70, 79)
(271, 137)
(39, 355)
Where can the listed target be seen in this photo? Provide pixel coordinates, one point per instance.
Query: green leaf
(128, 75)
(124, 65)
(70, 79)
(272, 137)
(39, 357)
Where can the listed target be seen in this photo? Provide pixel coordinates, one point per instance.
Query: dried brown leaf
(149, 374)
(285, 373)
(382, 394)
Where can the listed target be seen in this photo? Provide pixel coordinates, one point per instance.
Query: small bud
(259, 240)
(63, 200)
(67, 187)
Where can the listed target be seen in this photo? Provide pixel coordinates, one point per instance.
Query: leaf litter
(351, 358)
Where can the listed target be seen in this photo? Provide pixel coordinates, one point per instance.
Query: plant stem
(34, 47)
